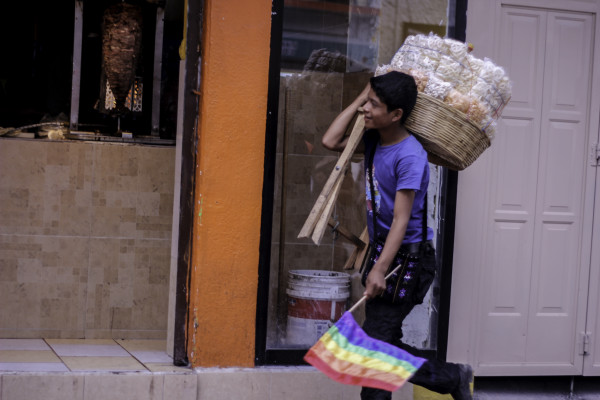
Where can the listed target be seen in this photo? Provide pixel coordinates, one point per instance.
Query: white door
(537, 188)
(592, 347)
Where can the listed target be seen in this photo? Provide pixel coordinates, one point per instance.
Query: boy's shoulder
(409, 146)
(412, 152)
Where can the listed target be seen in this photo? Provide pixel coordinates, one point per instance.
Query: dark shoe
(463, 390)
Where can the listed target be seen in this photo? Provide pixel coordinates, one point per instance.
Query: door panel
(506, 276)
(557, 263)
(592, 360)
(529, 320)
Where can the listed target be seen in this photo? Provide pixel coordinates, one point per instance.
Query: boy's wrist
(381, 266)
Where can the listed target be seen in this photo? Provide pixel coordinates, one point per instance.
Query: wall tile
(156, 168)
(102, 363)
(62, 204)
(44, 285)
(313, 102)
(46, 192)
(128, 278)
(304, 182)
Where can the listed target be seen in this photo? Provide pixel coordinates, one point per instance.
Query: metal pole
(76, 82)
(156, 82)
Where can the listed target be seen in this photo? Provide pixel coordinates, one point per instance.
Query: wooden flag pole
(362, 299)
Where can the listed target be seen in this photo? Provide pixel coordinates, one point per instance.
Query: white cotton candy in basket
(437, 88)
(474, 64)
(496, 77)
(478, 112)
(427, 64)
(457, 50)
(383, 69)
(414, 40)
(451, 71)
(490, 129)
(483, 92)
(444, 69)
(421, 78)
(436, 43)
(405, 59)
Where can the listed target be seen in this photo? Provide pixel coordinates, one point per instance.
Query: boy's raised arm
(334, 138)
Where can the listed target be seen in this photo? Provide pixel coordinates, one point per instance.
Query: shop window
(99, 70)
(329, 50)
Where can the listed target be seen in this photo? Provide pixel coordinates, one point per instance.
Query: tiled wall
(85, 236)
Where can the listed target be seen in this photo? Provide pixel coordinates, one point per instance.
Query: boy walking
(397, 177)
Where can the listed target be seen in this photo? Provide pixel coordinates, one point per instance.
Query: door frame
(472, 203)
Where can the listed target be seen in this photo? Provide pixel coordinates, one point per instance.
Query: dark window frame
(445, 240)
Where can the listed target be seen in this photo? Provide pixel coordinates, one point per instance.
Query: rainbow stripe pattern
(346, 354)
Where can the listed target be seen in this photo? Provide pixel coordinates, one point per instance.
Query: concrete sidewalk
(35, 369)
(547, 388)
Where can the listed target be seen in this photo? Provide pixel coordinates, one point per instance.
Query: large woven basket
(449, 138)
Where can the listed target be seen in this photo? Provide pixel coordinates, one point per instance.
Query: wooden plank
(321, 225)
(359, 253)
(352, 260)
(347, 234)
(343, 161)
(362, 253)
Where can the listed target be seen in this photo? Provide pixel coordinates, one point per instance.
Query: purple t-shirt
(399, 166)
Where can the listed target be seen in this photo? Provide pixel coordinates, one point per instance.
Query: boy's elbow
(327, 144)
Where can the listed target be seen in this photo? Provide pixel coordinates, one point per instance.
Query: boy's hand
(364, 95)
(375, 284)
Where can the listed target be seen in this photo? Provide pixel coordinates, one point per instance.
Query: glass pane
(36, 39)
(36, 75)
(330, 50)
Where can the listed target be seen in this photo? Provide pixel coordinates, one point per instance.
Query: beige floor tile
(33, 367)
(143, 345)
(147, 351)
(87, 347)
(103, 364)
(23, 344)
(28, 356)
(42, 387)
(80, 341)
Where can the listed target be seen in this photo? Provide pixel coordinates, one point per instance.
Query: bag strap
(372, 189)
(374, 206)
(424, 225)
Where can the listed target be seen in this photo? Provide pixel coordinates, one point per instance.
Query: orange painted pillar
(229, 179)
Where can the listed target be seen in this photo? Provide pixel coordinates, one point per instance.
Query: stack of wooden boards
(320, 215)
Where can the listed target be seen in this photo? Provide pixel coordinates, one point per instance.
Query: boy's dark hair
(396, 90)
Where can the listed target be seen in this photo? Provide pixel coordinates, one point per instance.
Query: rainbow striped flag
(346, 354)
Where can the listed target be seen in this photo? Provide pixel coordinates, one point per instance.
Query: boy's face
(376, 113)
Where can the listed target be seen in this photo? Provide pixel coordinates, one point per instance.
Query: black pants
(384, 322)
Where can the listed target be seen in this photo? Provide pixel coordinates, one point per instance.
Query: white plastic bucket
(316, 299)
